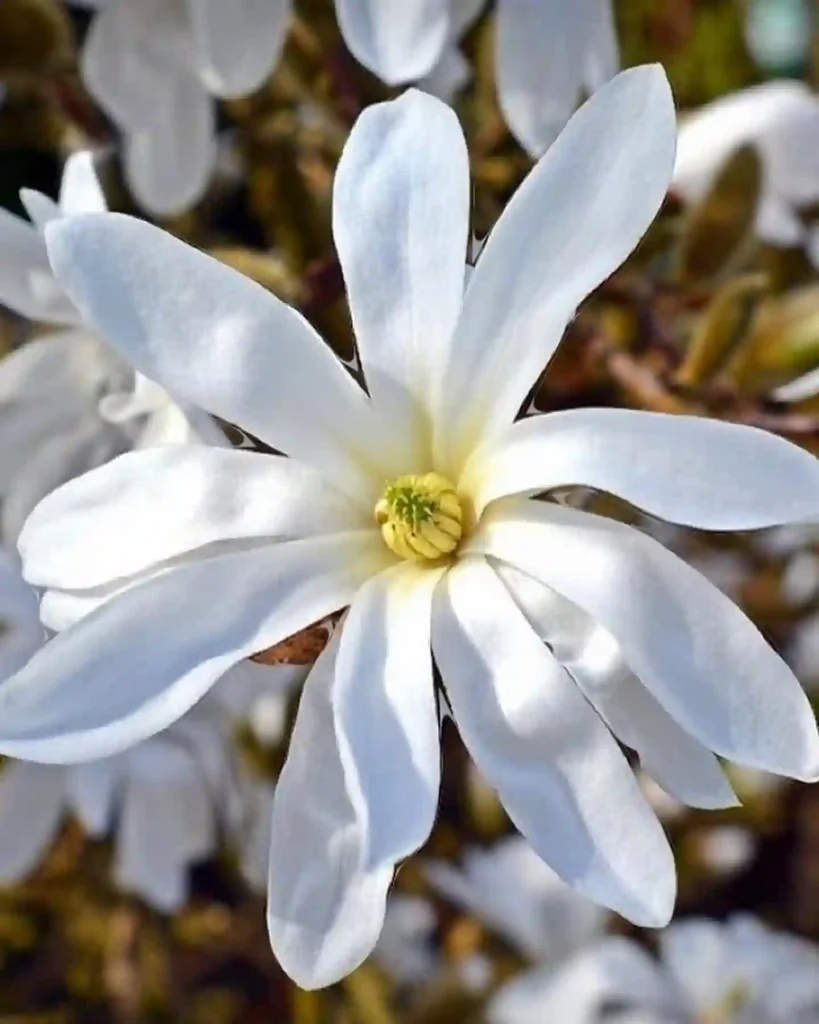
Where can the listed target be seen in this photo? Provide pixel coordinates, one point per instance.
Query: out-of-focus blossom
(405, 946)
(510, 890)
(734, 972)
(549, 54)
(167, 801)
(155, 65)
(781, 119)
(68, 401)
(550, 626)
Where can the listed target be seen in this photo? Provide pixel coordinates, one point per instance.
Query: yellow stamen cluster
(420, 517)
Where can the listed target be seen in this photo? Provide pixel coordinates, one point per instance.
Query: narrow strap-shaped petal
(398, 40)
(169, 502)
(25, 273)
(684, 469)
(574, 220)
(693, 649)
(92, 790)
(685, 768)
(540, 57)
(80, 189)
(601, 55)
(558, 771)
(130, 54)
(69, 451)
(219, 342)
(32, 805)
(324, 913)
(167, 641)
(169, 163)
(40, 208)
(401, 227)
(238, 43)
(166, 823)
(386, 712)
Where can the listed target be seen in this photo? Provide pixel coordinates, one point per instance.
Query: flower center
(420, 517)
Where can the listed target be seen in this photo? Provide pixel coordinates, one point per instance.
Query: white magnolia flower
(411, 504)
(509, 889)
(781, 119)
(155, 65)
(709, 972)
(168, 802)
(405, 947)
(68, 401)
(549, 53)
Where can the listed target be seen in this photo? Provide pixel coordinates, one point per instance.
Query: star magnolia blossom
(509, 889)
(68, 401)
(154, 66)
(709, 972)
(411, 503)
(167, 802)
(781, 119)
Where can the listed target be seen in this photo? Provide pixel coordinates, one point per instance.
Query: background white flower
(509, 889)
(231, 552)
(154, 66)
(68, 401)
(781, 119)
(734, 972)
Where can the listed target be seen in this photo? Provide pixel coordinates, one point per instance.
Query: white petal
(540, 66)
(549, 52)
(81, 446)
(693, 649)
(131, 54)
(780, 117)
(218, 341)
(324, 913)
(32, 805)
(684, 469)
(601, 54)
(171, 501)
(92, 792)
(239, 43)
(169, 163)
(140, 661)
(615, 971)
(401, 227)
(452, 73)
(681, 765)
(166, 824)
(398, 40)
(80, 189)
(462, 15)
(574, 220)
(386, 712)
(40, 208)
(557, 769)
(25, 270)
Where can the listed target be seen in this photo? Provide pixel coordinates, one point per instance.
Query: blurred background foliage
(703, 319)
